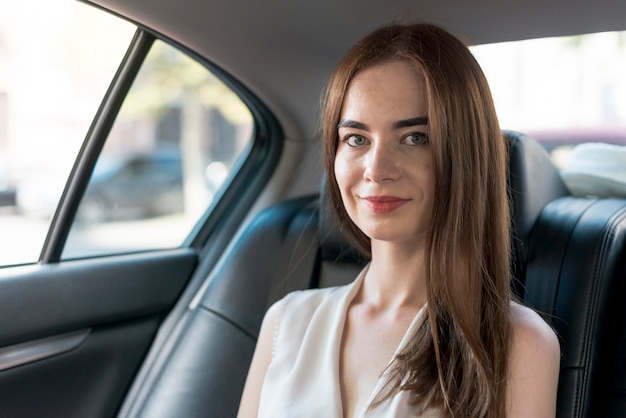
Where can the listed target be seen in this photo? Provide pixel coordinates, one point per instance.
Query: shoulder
(298, 301)
(309, 297)
(299, 305)
(531, 331)
(534, 359)
(302, 303)
(284, 325)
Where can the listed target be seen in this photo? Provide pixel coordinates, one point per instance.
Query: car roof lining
(275, 34)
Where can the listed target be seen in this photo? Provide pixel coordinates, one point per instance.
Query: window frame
(218, 224)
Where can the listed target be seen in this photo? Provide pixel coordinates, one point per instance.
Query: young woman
(416, 171)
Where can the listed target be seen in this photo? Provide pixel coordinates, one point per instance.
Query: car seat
(570, 264)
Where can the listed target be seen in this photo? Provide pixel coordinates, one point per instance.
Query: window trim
(92, 146)
(223, 217)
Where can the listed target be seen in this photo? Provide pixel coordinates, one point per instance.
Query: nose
(381, 164)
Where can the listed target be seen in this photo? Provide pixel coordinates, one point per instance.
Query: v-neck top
(302, 379)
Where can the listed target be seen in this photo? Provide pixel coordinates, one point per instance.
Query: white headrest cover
(597, 169)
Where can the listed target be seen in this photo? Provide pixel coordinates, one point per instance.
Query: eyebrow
(347, 123)
(421, 120)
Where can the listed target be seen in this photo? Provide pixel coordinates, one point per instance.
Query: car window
(562, 91)
(178, 136)
(55, 67)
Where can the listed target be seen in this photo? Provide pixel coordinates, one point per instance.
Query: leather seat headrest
(534, 181)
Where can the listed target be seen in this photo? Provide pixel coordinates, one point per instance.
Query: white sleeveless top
(302, 379)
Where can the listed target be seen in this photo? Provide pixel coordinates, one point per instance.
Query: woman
(416, 171)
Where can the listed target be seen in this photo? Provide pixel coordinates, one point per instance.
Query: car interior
(171, 332)
(569, 266)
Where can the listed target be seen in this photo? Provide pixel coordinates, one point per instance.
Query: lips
(384, 204)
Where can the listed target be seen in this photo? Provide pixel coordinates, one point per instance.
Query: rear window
(562, 91)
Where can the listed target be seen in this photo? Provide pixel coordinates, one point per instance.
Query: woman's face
(383, 163)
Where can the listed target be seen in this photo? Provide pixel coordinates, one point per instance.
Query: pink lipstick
(384, 204)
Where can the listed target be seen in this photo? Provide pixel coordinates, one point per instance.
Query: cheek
(345, 172)
(344, 175)
(341, 172)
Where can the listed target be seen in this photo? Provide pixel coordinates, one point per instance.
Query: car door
(86, 284)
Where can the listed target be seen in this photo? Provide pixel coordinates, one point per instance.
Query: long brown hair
(457, 358)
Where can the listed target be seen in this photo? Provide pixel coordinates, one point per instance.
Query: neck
(396, 276)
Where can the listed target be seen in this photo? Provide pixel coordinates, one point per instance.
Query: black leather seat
(571, 266)
(575, 274)
(570, 263)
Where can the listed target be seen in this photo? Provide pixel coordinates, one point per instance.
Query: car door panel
(78, 333)
(88, 381)
(75, 333)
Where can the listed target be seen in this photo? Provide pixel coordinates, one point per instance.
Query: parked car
(133, 186)
(168, 327)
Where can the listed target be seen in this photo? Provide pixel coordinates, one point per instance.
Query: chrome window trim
(31, 351)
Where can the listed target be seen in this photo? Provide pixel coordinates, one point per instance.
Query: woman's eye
(355, 140)
(416, 138)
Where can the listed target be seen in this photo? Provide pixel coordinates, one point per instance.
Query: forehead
(392, 88)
